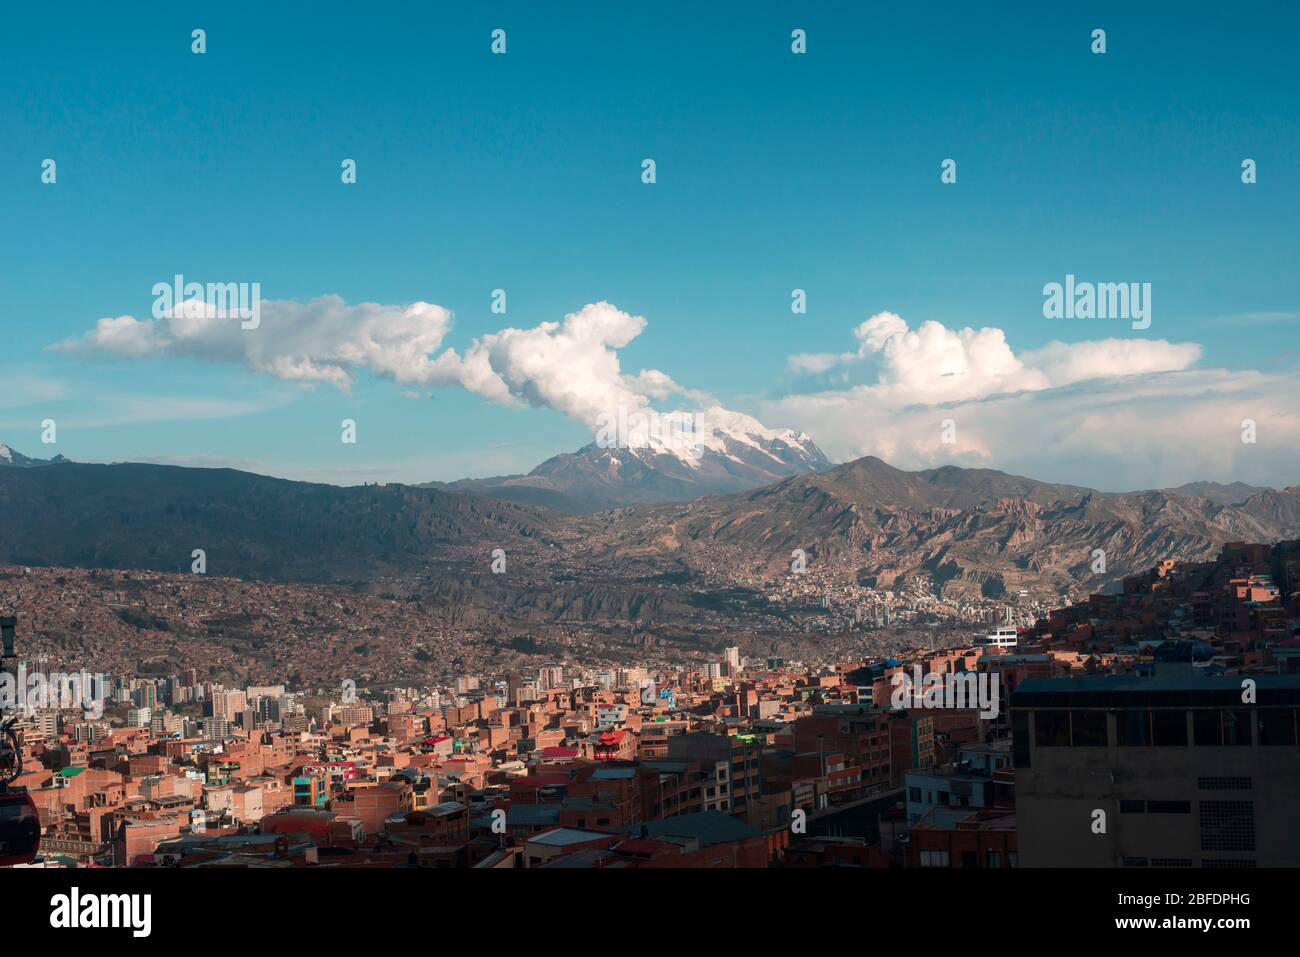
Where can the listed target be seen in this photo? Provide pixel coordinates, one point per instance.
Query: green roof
(70, 772)
(707, 827)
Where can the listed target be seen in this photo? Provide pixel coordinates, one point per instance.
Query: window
(1236, 727)
(1134, 728)
(1277, 726)
(1133, 862)
(1169, 729)
(1088, 729)
(1207, 728)
(1132, 807)
(992, 859)
(1227, 826)
(934, 858)
(1052, 729)
(1169, 807)
(1020, 738)
(968, 859)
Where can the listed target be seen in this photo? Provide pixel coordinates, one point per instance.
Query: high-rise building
(271, 709)
(1157, 771)
(145, 696)
(226, 704)
(216, 728)
(355, 715)
(165, 722)
(47, 723)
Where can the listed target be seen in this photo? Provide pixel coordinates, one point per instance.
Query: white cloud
(1111, 414)
(133, 409)
(20, 388)
(442, 467)
(324, 340)
(933, 364)
(815, 362)
(570, 366)
(1065, 363)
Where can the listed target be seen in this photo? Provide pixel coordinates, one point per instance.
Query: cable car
(20, 829)
(20, 826)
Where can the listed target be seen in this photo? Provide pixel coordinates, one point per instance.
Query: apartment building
(1182, 771)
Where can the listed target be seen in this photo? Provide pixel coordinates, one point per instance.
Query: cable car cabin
(20, 830)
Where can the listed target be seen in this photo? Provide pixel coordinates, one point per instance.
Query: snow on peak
(690, 436)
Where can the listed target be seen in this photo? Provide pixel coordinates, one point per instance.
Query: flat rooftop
(1130, 691)
(562, 836)
(706, 827)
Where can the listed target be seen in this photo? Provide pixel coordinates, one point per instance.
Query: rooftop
(563, 836)
(1156, 691)
(706, 827)
(613, 774)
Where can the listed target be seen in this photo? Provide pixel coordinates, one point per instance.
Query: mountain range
(728, 456)
(250, 526)
(970, 532)
(15, 459)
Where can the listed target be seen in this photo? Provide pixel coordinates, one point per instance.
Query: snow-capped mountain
(677, 458)
(15, 458)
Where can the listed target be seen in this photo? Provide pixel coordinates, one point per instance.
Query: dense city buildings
(1155, 726)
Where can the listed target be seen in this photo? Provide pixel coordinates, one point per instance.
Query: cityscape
(854, 441)
(1181, 685)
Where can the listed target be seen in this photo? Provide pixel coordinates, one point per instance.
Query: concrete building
(1183, 771)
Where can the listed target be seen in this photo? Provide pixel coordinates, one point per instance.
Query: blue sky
(774, 171)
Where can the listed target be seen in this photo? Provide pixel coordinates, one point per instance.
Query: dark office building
(1186, 772)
